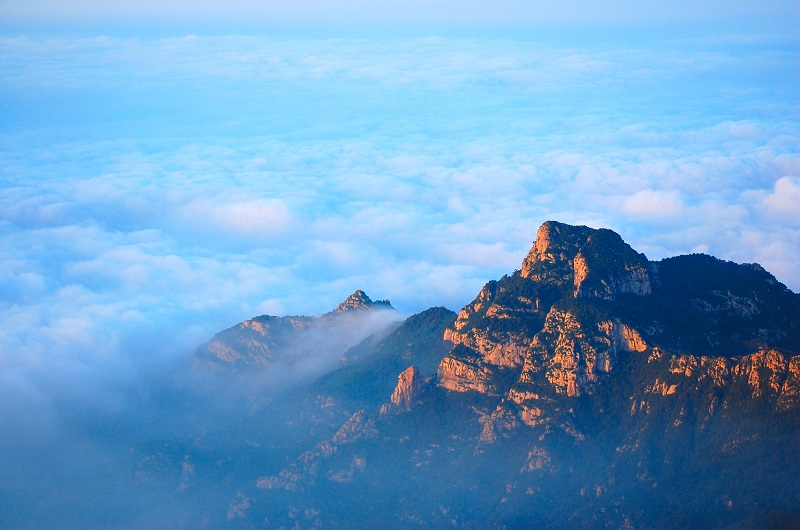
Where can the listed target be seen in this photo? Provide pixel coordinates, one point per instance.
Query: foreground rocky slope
(590, 388)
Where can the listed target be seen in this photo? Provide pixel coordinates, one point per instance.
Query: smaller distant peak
(359, 300)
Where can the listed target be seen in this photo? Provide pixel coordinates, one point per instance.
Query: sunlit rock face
(598, 263)
(410, 385)
(765, 373)
(254, 342)
(570, 355)
(505, 349)
(461, 373)
(552, 257)
(719, 386)
(790, 392)
(555, 330)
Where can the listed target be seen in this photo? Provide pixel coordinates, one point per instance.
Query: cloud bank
(244, 172)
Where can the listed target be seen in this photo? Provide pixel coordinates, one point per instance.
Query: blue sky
(168, 169)
(428, 16)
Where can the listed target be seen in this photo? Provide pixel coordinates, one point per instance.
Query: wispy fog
(70, 424)
(156, 191)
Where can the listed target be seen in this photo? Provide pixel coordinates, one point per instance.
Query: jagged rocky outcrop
(358, 301)
(595, 262)
(513, 320)
(410, 385)
(722, 381)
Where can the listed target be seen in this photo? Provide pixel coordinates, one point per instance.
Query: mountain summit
(360, 301)
(265, 340)
(597, 262)
(592, 388)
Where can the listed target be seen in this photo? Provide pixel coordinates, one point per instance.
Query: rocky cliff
(594, 263)
(410, 385)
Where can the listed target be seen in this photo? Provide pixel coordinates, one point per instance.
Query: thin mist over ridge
(79, 429)
(268, 356)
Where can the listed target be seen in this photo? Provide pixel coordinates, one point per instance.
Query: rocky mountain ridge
(266, 339)
(590, 388)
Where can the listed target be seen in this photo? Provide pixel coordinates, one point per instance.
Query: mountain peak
(595, 260)
(359, 300)
(262, 340)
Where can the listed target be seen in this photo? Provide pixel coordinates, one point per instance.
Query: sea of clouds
(155, 191)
